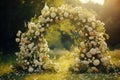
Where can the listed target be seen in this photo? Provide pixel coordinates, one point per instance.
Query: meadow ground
(64, 60)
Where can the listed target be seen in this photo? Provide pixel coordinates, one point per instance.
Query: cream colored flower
(82, 55)
(61, 18)
(88, 55)
(41, 49)
(52, 9)
(85, 62)
(91, 37)
(66, 14)
(30, 46)
(31, 24)
(37, 33)
(93, 51)
(28, 63)
(53, 14)
(18, 34)
(96, 62)
(82, 44)
(42, 29)
(93, 25)
(36, 62)
(89, 29)
(30, 69)
(22, 48)
(45, 9)
(89, 19)
(16, 53)
(17, 40)
(86, 26)
(77, 60)
(31, 31)
(78, 23)
(94, 43)
(83, 20)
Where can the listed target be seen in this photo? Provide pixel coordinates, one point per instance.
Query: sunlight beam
(100, 2)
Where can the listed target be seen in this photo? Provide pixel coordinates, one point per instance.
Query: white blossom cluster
(33, 46)
(93, 44)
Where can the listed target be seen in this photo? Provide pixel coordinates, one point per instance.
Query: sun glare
(84, 1)
(100, 2)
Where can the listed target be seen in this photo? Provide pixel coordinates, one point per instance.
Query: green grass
(59, 76)
(6, 73)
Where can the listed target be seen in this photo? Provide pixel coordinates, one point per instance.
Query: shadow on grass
(12, 76)
(58, 76)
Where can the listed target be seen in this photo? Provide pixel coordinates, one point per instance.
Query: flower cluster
(89, 38)
(93, 45)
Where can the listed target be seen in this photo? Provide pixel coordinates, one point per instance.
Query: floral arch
(90, 39)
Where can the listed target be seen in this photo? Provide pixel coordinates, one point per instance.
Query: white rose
(88, 55)
(90, 61)
(89, 19)
(36, 62)
(93, 51)
(17, 40)
(42, 29)
(83, 20)
(82, 44)
(86, 26)
(81, 33)
(32, 31)
(89, 29)
(105, 61)
(18, 34)
(93, 58)
(77, 60)
(98, 50)
(16, 53)
(45, 9)
(30, 46)
(78, 23)
(61, 18)
(53, 14)
(37, 33)
(85, 62)
(91, 37)
(93, 25)
(94, 43)
(28, 63)
(30, 69)
(66, 14)
(31, 24)
(96, 62)
(45, 45)
(47, 25)
(52, 9)
(22, 48)
(41, 49)
(82, 55)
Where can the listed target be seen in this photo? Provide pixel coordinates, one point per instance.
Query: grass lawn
(6, 73)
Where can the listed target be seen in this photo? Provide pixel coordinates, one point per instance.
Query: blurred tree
(14, 14)
(110, 14)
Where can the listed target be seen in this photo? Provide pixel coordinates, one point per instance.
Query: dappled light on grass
(65, 59)
(115, 57)
(46, 76)
(6, 64)
(64, 62)
(4, 69)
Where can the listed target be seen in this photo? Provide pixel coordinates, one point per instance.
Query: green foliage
(53, 36)
(55, 3)
(66, 26)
